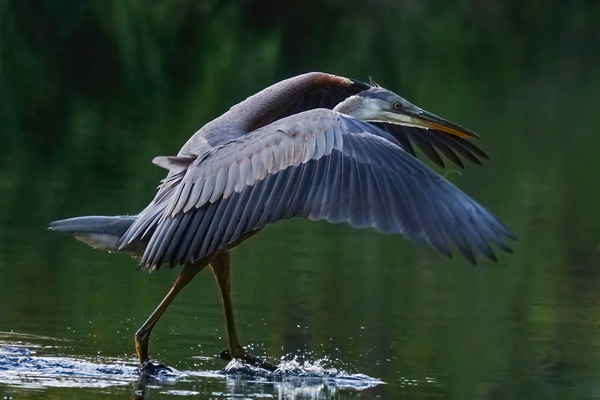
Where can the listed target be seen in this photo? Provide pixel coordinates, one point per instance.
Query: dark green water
(91, 92)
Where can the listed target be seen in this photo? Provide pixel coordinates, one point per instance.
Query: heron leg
(220, 268)
(142, 336)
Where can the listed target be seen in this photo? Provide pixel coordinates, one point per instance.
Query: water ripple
(21, 367)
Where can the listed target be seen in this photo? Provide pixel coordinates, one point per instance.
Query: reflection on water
(31, 362)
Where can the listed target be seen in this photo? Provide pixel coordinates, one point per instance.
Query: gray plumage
(315, 146)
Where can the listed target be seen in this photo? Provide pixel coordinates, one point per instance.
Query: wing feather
(223, 179)
(182, 197)
(233, 179)
(194, 195)
(172, 245)
(154, 243)
(438, 144)
(246, 174)
(207, 190)
(356, 205)
(323, 200)
(284, 210)
(430, 141)
(424, 145)
(309, 148)
(187, 236)
(208, 235)
(207, 212)
(320, 146)
(239, 218)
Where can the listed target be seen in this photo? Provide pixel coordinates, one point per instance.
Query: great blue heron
(318, 146)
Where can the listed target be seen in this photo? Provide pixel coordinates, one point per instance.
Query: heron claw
(224, 355)
(147, 368)
(249, 359)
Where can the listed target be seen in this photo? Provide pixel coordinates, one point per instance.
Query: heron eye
(397, 106)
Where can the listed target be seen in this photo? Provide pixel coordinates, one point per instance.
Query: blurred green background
(91, 91)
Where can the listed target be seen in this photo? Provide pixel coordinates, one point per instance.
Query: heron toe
(150, 369)
(248, 359)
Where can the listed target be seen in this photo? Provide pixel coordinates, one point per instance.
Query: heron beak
(420, 118)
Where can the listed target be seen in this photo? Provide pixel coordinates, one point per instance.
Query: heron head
(381, 105)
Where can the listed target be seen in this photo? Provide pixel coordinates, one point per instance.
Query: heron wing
(318, 164)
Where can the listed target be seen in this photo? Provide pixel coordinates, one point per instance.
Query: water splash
(25, 365)
(296, 378)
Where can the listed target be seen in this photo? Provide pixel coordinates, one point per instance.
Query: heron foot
(147, 368)
(249, 359)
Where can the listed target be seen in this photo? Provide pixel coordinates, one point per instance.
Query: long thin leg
(142, 336)
(220, 268)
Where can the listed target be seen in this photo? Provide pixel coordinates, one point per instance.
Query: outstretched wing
(318, 164)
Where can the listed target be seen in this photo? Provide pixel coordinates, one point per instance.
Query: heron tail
(100, 232)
